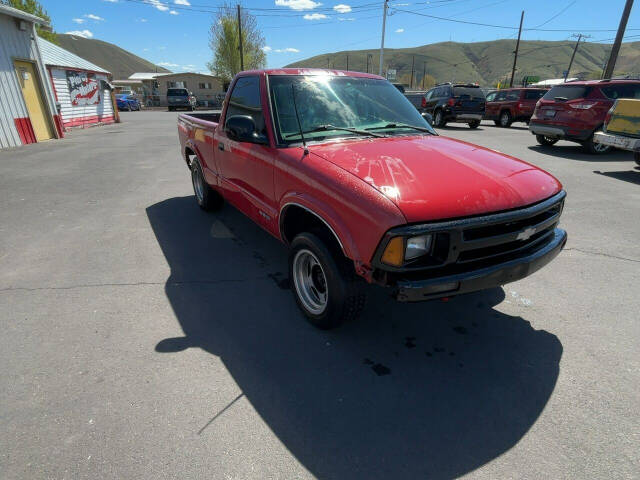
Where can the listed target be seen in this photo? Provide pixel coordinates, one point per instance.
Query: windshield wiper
(325, 128)
(401, 125)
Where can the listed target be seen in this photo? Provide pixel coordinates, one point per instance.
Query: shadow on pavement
(632, 176)
(430, 390)
(575, 152)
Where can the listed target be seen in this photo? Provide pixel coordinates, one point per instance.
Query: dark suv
(450, 102)
(180, 98)
(512, 105)
(574, 111)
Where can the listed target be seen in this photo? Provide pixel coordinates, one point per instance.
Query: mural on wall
(84, 89)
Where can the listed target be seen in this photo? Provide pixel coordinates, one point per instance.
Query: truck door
(246, 169)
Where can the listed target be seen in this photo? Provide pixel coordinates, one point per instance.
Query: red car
(345, 171)
(575, 111)
(512, 105)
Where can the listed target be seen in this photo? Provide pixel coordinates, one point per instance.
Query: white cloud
(91, 16)
(266, 48)
(343, 19)
(145, 49)
(298, 4)
(78, 20)
(110, 1)
(182, 2)
(157, 4)
(173, 12)
(168, 64)
(142, 20)
(287, 50)
(314, 16)
(400, 30)
(81, 33)
(342, 8)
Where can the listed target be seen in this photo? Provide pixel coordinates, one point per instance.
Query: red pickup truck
(345, 171)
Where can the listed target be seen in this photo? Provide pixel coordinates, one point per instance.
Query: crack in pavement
(587, 252)
(135, 284)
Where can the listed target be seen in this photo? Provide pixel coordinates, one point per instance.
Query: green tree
(33, 7)
(224, 42)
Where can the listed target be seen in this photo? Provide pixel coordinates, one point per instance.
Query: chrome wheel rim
(310, 282)
(504, 119)
(600, 148)
(198, 187)
(438, 118)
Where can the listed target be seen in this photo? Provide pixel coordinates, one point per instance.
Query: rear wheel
(208, 199)
(324, 283)
(438, 119)
(505, 119)
(546, 141)
(594, 148)
(474, 124)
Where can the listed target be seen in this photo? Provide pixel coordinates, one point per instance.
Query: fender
(326, 214)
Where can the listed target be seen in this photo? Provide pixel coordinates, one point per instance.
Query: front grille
(476, 242)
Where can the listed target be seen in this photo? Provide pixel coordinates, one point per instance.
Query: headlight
(418, 246)
(398, 251)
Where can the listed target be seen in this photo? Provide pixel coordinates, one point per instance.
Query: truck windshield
(353, 106)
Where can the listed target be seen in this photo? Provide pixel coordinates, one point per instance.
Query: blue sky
(175, 33)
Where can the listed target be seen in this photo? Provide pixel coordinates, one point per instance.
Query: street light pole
(384, 21)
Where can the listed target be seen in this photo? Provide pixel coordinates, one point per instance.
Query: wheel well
(508, 110)
(188, 153)
(295, 219)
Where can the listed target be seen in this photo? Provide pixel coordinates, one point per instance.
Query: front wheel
(546, 141)
(324, 283)
(594, 148)
(474, 124)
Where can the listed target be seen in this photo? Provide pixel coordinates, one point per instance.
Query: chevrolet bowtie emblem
(526, 233)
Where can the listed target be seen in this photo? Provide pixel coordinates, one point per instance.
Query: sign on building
(84, 89)
(391, 74)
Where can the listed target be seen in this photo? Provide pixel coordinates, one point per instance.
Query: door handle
(221, 146)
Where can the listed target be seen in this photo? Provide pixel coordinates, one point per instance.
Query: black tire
(345, 296)
(170, 109)
(546, 141)
(474, 124)
(497, 122)
(636, 157)
(206, 197)
(594, 148)
(438, 119)
(505, 119)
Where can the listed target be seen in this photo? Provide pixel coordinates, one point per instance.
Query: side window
(500, 96)
(245, 100)
(429, 95)
(533, 94)
(491, 96)
(513, 95)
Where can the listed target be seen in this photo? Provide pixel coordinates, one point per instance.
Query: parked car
(450, 102)
(622, 127)
(368, 190)
(417, 99)
(574, 111)
(126, 101)
(512, 105)
(180, 98)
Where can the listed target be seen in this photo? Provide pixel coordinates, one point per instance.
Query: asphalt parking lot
(144, 338)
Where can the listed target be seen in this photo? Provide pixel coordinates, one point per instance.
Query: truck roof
(309, 71)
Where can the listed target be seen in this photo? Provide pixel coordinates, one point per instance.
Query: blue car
(127, 102)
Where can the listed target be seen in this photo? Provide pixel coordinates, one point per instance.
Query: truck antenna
(295, 109)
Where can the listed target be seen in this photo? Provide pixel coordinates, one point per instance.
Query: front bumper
(618, 141)
(489, 277)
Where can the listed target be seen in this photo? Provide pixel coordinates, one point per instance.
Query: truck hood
(434, 178)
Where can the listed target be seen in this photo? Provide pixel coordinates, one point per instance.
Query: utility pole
(413, 61)
(572, 57)
(384, 21)
(327, 62)
(608, 73)
(240, 39)
(347, 62)
(424, 73)
(515, 57)
(368, 58)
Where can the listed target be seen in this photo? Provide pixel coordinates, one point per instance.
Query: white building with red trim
(81, 88)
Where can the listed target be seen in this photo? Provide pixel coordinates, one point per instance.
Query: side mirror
(243, 129)
(428, 118)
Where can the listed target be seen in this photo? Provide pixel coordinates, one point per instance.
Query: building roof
(177, 74)
(53, 55)
(146, 75)
(14, 12)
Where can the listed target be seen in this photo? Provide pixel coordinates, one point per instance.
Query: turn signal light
(394, 252)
